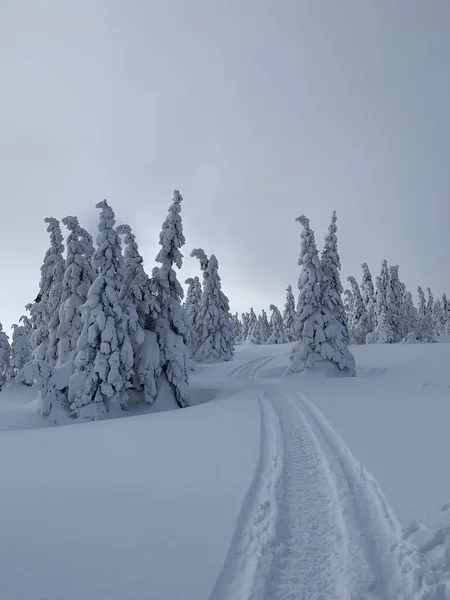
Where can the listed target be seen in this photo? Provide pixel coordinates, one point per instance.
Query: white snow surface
(250, 494)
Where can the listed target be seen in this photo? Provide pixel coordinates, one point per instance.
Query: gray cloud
(256, 110)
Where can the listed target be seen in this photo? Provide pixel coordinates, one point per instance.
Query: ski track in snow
(248, 371)
(314, 524)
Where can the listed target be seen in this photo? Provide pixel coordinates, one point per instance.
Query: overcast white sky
(257, 110)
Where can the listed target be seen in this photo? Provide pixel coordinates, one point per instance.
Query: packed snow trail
(314, 525)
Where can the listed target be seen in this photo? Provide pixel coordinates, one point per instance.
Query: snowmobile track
(314, 525)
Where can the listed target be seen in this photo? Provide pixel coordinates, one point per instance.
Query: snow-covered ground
(249, 494)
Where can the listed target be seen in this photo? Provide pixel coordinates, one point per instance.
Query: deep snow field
(251, 493)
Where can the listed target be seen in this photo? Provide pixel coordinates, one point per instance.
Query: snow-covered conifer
(252, 323)
(104, 351)
(368, 294)
(446, 314)
(78, 278)
(45, 322)
(438, 317)
(264, 327)
(348, 305)
(409, 317)
(140, 311)
(216, 333)
(6, 371)
(256, 332)
(278, 335)
(192, 307)
(359, 319)
(171, 327)
(245, 326)
(237, 328)
(331, 279)
(289, 315)
(425, 331)
(394, 299)
(319, 333)
(20, 347)
(382, 283)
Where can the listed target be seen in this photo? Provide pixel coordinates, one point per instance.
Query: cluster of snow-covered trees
(386, 313)
(102, 333)
(380, 313)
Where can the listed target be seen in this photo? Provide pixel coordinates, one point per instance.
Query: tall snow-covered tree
(78, 278)
(368, 294)
(289, 315)
(425, 331)
(55, 292)
(252, 323)
(382, 283)
(394, 299)
(264, 327)
(6, 371)
(409, 317)
(192, 307)
(359, 319)
(278, 335)
(348, 305)
(104, 351)
(140, 312)
(216, 334)
(20, 348)
(331, 279)
(171, 326)
(237, 328)
(319, 333)
(245, 326)
(438, 317)
(45, 322)
(446, 314)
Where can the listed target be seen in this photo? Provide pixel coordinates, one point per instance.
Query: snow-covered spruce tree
(217, 333)
(368, 294)
(20, 348)
(192, 307)
(43, 320)
(140, 312)
(236, 327)
(409, 318)
(383, 333)
(446, 314)
(438, 317)
(252, 323)
(78, 278)
(245, 326)
(319, 334)
(6, 371)
(55, 292)
(170, 325)
(359, 319)
(264, 326)
(278, 335)
(348, 305)
(394, 298)
(104, 352)
(331, 279)
(425, 323)
(382, 283)
(256, 337)
(289, 315)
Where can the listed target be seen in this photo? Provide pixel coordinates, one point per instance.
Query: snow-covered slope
(251, 493)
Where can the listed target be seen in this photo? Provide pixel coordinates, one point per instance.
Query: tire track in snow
(314, 525)
(253, 548)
